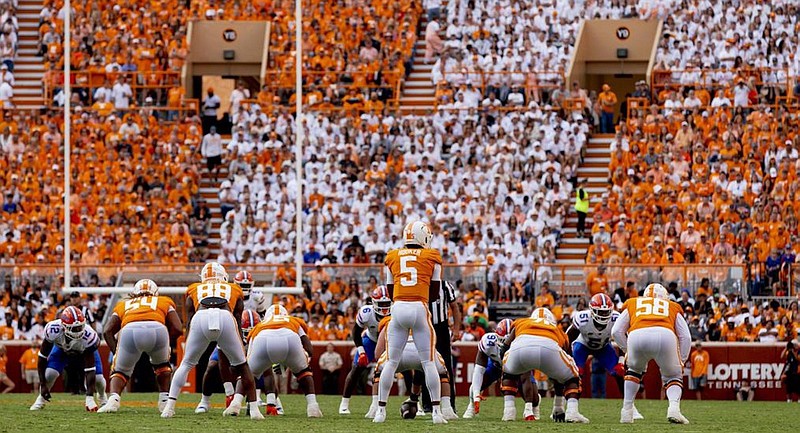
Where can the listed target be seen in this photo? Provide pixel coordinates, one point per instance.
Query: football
(408, 410)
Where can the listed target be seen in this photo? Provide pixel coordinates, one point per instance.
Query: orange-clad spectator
(597, 282)
(28, 365)
(545, 297)
(699, 359)
(608, 103)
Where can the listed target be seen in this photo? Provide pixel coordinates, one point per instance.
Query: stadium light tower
(67, 92)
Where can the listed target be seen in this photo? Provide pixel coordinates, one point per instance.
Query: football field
(138, 413)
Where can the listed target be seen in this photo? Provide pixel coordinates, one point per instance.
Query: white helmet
(545, 315)
(145, 286)
(213, 271)
(655, 290)
(417, 233)
(275, 310)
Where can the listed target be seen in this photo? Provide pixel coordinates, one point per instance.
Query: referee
(441, 326)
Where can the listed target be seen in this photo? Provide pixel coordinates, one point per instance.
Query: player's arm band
(90, 369)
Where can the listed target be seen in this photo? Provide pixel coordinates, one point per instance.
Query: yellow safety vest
(581, 205)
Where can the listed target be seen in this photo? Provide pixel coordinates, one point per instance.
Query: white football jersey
(257, 302)
(591, 337)
(366, 319)
(490, 346)
(54, 332)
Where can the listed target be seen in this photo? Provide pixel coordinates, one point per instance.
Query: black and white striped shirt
(447, 294)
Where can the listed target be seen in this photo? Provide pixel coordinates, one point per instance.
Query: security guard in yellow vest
(581, 206)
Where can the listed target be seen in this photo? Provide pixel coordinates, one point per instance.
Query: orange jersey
(539, 328)
(144, 309)
(411, 271)
(30, 359)
(648, 312)
(228, 291)
(280, 322)
(700, 360)
(382, 324)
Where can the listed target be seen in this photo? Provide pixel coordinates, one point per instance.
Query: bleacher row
(496, 185)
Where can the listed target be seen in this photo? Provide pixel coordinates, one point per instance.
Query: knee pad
(633, 376)
(162, 368)
(121, 376)
(572, 387)
(304, 373)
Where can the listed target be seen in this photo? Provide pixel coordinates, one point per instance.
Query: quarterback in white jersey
(65, 339)
(365, 336)
(489, 368)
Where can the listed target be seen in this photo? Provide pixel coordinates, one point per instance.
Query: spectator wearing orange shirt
(597, 281)
(699, 360)
(28, 365)
(608, 102)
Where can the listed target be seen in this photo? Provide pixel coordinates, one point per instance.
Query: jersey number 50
(652, 307)
(411, 280)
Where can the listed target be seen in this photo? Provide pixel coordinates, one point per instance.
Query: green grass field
(139, 413)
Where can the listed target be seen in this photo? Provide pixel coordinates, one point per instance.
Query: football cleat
(626, 416)
(448, 413)
(531, 415)
(256, 414)
(313, 411)
(380, 415)
(344, 411)
(509, 413)
(575, 417)
(201, 408)
(169, 409)
(39, 403)
(112, 405)
(272, 411)
(438, 418)
(91, 405)
(636, 414)
(470, 412)
(558, 415)
(675, 416)
(373, 409)
(232, 410)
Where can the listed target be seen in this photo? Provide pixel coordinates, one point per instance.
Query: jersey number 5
(652, 307)
(411, 280)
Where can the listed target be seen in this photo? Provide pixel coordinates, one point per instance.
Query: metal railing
(533, 82)
(140, 81)
(706, 78)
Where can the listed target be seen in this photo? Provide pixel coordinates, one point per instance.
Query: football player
(538, 343)
(652, 327)
(250, 319)
(283, 339)
(365, 336)
(65, 339)
(413, 277)
(410, 360)
(219, 368)
(146, 323)
(489, 368)
(590, 334)
(214, 309)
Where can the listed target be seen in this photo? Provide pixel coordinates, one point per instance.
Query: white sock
(375, 399)
(253, 406)
(228, 388)
(206, 400)
(529, 406)
(311, 398)
(674, 393)
(345, 402)
(631, 388)
(100, 385)
(271, 399)
(572, 404)
(258, 394)
(446, 401)
(163, 396)
(558, 402)
(238, 399)
(508, 401)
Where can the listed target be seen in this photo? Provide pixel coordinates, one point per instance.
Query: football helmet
(381, 301)
(601, 307)
(655, 290)
(249, 321)
(213, 271)
(275, 310)
(545, 315)
(73, 322)
(245, 280)
(145, 287)
(417, 233)
(504, 327)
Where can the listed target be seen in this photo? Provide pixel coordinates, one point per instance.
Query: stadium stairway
(28, 67)
(209, 190)
(418, 90)
(572, 250)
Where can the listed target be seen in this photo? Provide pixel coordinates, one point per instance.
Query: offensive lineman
(67, 338)
(652, 327)
(214, 307)
(538, 343)
(489, 368)
(146, 323)
(590, 334)
(367, 321)
(413, 275)
(282, 339)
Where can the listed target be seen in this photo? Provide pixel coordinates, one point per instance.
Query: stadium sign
(229, 35)
(623, 33)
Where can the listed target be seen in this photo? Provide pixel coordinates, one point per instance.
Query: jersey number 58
(652, 307)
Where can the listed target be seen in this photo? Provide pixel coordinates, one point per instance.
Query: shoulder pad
(53, 330)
